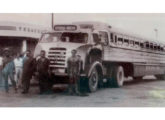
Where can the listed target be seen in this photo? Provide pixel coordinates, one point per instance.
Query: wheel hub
(94, 79)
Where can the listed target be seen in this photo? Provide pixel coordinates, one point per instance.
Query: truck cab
(59, 43)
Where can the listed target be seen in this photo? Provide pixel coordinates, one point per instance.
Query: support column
(24, 45)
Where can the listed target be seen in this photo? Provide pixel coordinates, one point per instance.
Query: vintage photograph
(82, 60)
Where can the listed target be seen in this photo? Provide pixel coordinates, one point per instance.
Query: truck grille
(57, 57)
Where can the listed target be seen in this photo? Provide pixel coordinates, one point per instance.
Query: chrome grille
(57, 57)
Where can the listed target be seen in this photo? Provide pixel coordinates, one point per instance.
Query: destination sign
(65, 27)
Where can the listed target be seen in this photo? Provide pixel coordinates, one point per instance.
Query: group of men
(21, 69)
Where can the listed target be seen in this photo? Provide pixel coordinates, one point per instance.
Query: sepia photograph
(82, 60)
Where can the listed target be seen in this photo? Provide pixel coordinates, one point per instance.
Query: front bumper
(63, 73)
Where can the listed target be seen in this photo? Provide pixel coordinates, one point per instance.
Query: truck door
(105, 43)
(104, 37)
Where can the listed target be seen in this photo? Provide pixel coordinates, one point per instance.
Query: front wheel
(93, 80)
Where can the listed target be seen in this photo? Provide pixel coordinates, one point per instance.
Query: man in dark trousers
(73, 68)
(8, 69)
(28, 70)
(43, 73)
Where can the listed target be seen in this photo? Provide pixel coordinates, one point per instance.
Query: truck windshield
(65, 37)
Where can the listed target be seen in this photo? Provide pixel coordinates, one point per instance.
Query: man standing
(43, 73)
(8, 70)
(73, 68)
(18, 62)
(1, 80)
(28, 70)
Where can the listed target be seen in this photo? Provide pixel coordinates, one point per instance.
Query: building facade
(19, 37)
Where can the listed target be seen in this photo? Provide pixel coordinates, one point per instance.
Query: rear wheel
(160, 77)
(93, 80)
(117, 78)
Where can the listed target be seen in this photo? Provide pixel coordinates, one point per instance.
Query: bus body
(108, 54)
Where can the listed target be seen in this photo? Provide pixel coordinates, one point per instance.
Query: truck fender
(96, 63)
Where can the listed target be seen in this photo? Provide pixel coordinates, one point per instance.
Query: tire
(93, 80)
(117, 78)
(160, 77)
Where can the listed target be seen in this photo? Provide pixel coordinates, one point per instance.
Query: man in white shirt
(18, 62)
(1, 61)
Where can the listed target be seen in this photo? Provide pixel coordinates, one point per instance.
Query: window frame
(107, 41)
(112, 40)
(131, 43)
(147, 45)
(119, 39)
(151, 46)
(124, 41)
(136, 45)
(94, 37)
(142, 45)
(155, 47)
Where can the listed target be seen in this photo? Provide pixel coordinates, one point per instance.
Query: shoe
(16, 90)
(71, 93)
(84, 94)
(24, 92)
(7, 91)
(49, 92)
(77, 93)
(41, 93)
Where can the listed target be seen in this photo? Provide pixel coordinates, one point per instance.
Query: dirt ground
(144, 93)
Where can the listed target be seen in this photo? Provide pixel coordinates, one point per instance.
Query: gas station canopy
(15, 29)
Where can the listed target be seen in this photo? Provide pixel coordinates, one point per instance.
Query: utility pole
(156, 34)
(52, 20)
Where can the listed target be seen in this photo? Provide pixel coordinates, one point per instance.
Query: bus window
(111, 35)
(147, 45)
(136, 44)
(151, 46)
(161, 48)
(126, 42)
(131, 43)
(142, 45)
(120, 41)
(158, 47)
(155, 47)
(104, 37)
(115, 39)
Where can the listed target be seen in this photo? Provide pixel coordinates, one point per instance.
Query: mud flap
(83, 84)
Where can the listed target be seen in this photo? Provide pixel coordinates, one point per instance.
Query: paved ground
(150, 93)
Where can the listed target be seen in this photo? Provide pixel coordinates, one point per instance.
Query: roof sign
(65, 27)
(86, 26)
